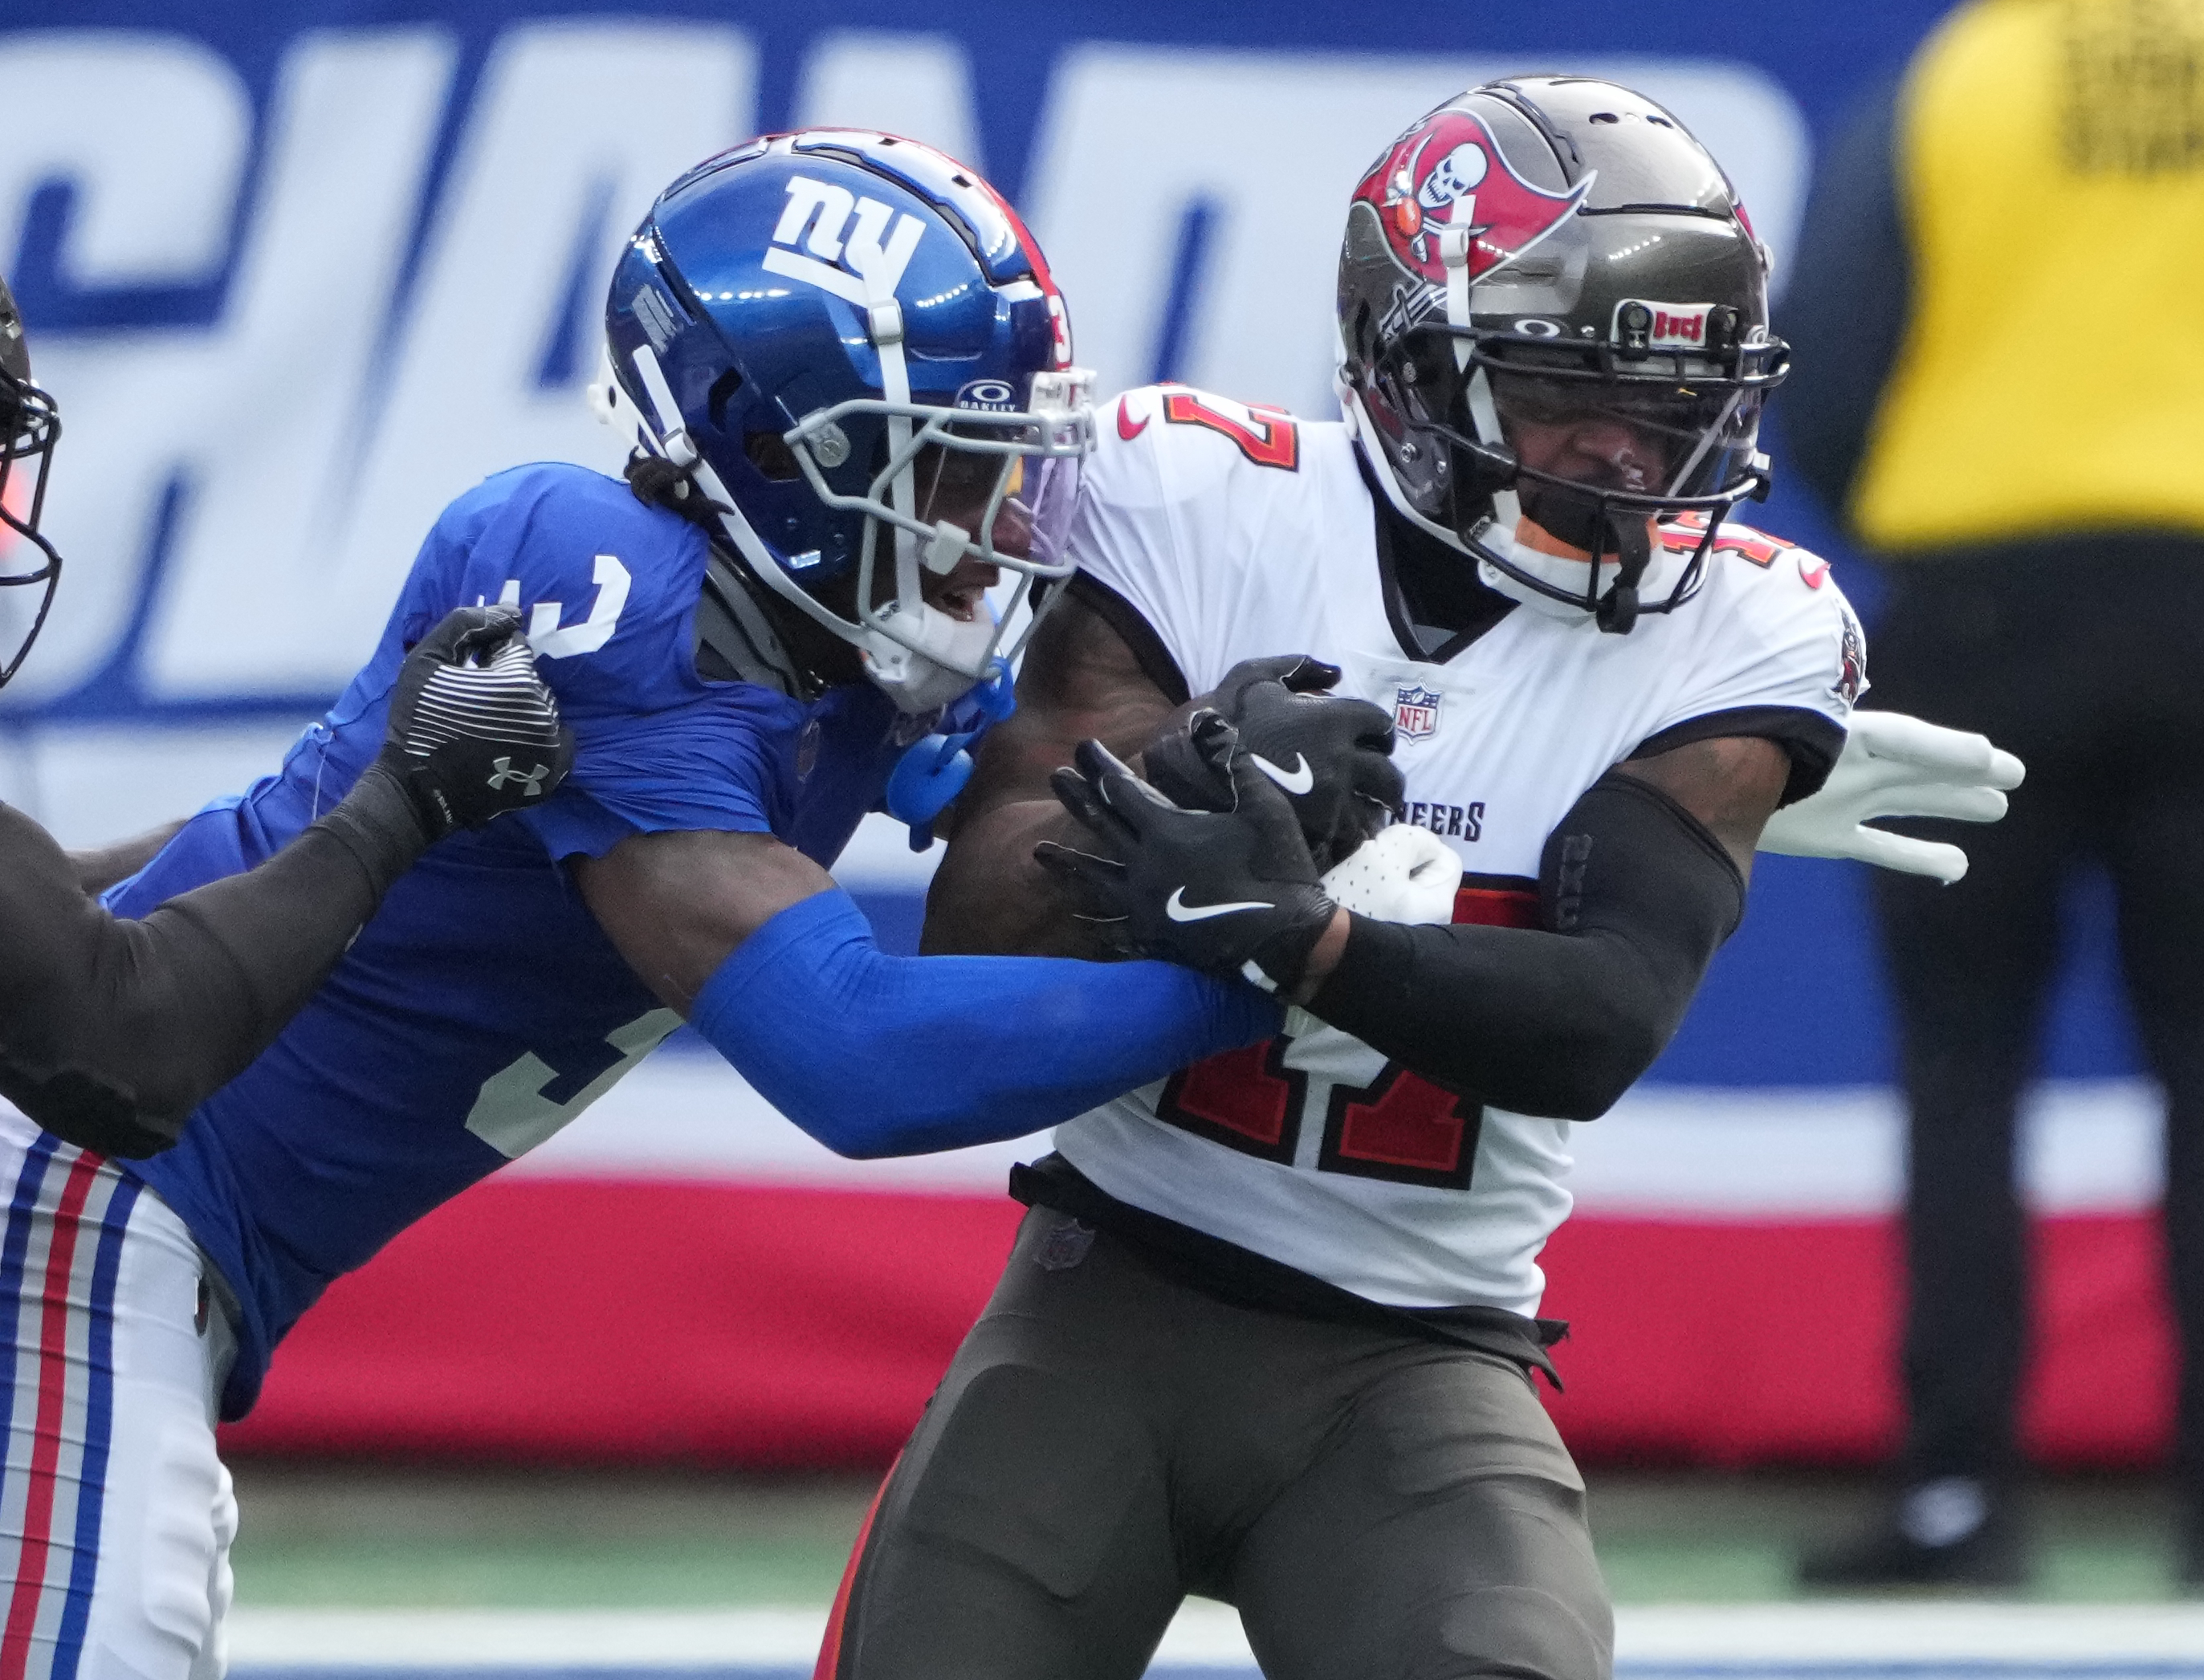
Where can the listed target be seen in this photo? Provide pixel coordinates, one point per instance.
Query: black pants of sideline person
(2085, 658)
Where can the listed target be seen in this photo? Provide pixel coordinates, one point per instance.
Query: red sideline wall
(639, 1323)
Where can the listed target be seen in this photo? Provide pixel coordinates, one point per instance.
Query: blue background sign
(300, 274)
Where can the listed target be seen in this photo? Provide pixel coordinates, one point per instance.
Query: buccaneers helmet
(853, 347)
(1553, 317)
(30, 425)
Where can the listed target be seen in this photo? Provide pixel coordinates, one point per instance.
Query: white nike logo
(1178, 910)
(1297, 781)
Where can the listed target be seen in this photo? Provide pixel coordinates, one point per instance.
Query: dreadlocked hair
(657, 483)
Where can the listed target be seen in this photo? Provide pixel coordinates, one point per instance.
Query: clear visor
(961, 499)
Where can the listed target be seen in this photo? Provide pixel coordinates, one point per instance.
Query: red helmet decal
(1450, 171)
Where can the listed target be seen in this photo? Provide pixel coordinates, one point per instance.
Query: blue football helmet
(843, 336)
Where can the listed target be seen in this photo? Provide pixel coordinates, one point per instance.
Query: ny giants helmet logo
(1450, 171)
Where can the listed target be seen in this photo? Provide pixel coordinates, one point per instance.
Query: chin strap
(914, 679)
(1618, 608)
(1454, 255)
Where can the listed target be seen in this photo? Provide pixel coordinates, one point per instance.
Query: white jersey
(1237, 532)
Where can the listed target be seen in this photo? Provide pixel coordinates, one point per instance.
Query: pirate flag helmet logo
(1450, 171)
(1541, 260)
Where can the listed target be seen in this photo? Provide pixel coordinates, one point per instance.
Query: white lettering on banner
(266, 448)
(309, 470)
(544, 635)
(1115, 169)
(254, 417)
(575, 128)
(918, 86)
(150, 134)
(150, 130)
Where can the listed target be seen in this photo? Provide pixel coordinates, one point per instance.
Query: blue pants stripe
(98, 1428)
(14, 1248)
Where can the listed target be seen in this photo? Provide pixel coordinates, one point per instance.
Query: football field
(1826, 1641)
(533, 1575)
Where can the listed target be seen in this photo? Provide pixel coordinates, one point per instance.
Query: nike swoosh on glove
(1894, 766)
(1216, 890)
(1332, 755)
(474, 730)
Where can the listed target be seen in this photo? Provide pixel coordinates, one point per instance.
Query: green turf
(1736, 1538)
(518, 1539)
(523, 1540)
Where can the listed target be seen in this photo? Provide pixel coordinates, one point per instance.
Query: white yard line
(1875, 1632)
(1825, 1635)
(1205, 1634)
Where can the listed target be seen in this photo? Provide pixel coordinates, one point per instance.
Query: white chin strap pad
(1563, 571)
(934, 673)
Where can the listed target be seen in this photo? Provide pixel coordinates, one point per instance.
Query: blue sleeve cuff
(875, 1055)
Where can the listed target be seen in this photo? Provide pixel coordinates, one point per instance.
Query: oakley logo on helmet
(873, 257)
(992, 396)
(1450, 171)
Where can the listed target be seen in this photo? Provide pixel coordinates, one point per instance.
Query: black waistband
(1244, 1278)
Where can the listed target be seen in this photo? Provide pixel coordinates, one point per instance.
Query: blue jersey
(483, 1008)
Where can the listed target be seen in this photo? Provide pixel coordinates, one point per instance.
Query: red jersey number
(1272, 439)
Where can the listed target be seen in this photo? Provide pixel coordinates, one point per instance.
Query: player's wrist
(381, 821)
(1321, 957)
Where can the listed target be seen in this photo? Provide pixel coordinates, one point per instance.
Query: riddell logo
(871, 258)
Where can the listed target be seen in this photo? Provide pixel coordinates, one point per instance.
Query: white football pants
(116, 1516)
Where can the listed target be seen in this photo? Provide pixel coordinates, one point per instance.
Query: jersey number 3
(545, 634)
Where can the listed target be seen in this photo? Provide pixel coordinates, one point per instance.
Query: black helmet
(29, 426)
(1540, 263)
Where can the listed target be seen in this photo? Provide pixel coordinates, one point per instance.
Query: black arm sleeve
(1635, 896)
(112, 1031)
(1846, 308)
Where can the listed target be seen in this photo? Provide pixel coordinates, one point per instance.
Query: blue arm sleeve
(875, 1055)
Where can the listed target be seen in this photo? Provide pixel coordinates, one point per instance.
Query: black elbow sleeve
(1635, 897)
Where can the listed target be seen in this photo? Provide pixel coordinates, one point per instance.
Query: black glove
(1333, 756)
(1214, 890)
(474, 731)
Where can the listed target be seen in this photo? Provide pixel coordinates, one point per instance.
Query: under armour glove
(1331, 754)
(1894, 766)
(474, 731)
(1218, 890)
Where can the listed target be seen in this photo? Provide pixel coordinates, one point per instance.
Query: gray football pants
(1108, 1440)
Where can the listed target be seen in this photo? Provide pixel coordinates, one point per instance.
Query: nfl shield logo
(1416, 711)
